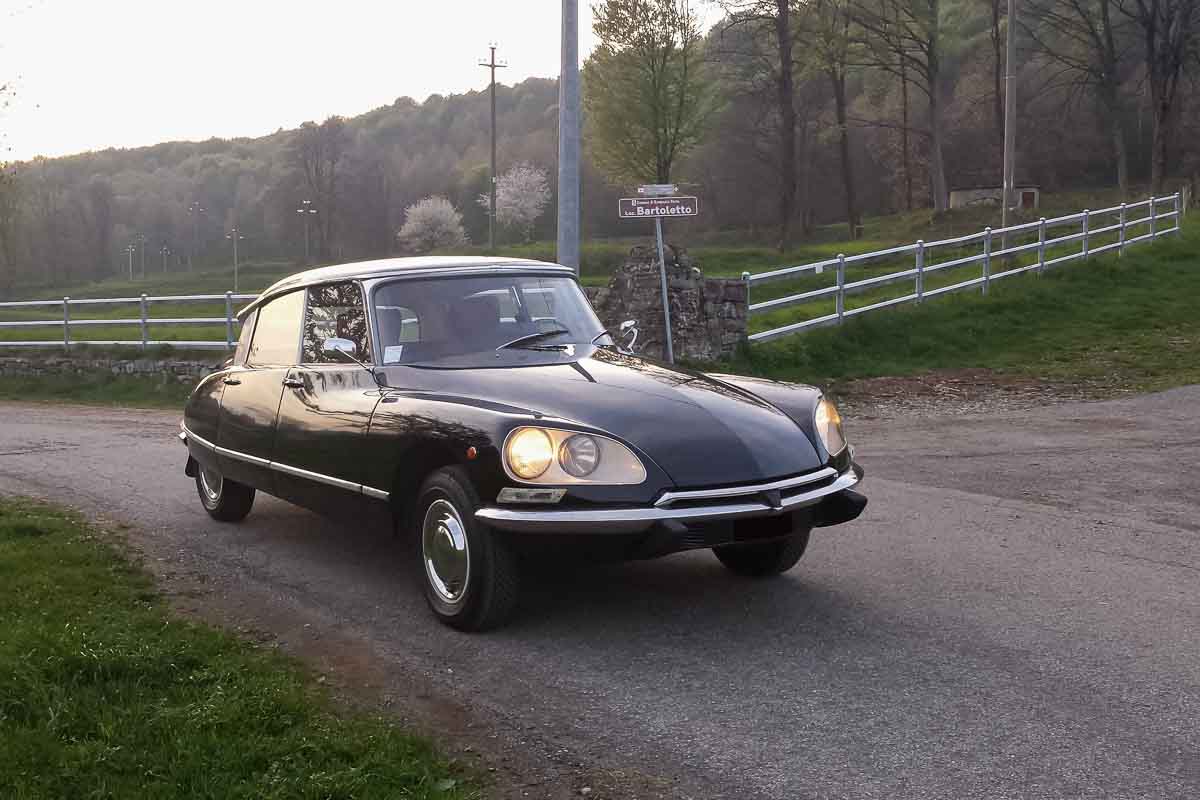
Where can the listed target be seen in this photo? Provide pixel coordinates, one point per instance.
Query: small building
(1028, 197)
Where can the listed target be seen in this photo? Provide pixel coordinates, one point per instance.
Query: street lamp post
(166, 251)
(493, 65)
(235, 237)
(140, 238)
(130, 250)
(194, 210)
(306, 210)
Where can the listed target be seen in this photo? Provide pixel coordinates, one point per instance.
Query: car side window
(276, 337)
(243, 345)
(335, 310)
(400, 326)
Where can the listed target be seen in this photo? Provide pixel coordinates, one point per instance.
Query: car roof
(398, 267)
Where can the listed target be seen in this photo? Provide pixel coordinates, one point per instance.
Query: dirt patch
(960, 391)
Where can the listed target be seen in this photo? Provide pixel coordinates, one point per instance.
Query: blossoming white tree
(432, 224)
(521, 196)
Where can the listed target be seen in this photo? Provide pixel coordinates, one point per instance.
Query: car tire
(763, 559)
(469, 571)
(223, 499)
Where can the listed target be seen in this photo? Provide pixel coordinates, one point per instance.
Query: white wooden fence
(1127, 230)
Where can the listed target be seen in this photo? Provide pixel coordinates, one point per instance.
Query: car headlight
(556, 457)
(579, 455)
(529, 452)
(828, 423)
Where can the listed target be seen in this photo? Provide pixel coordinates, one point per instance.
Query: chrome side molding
(286, 469)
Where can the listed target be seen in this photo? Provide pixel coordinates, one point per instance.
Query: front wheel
(762, 559)
(223, 499)
(469, 571)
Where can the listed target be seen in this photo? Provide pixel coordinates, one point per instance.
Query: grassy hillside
(1113, 322)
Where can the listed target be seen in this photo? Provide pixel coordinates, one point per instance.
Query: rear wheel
(469, 571)
(762, 559)
(222, 498)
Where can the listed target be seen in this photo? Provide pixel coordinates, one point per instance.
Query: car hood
(700, 430)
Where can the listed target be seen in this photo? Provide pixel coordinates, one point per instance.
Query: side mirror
(341, 349)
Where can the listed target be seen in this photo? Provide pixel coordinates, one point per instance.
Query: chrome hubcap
(211, 481)
(445, 551)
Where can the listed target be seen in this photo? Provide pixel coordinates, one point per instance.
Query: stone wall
(708, 315)
(164, 369)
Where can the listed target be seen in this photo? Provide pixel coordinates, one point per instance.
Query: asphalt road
(1016, 615)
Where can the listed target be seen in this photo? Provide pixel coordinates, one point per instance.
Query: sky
(91, 74)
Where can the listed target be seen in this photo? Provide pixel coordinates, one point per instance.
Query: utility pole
(306, 210)
(130, 250)
(1008, 192)
(568, 138)
(166, 251)
(493, 65)
(194, 211)
(235, 237)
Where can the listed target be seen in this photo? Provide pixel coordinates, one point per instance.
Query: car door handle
(295, 383)
(231, 382)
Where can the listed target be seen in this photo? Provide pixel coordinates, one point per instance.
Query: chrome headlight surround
(828, 424)
(613, 464)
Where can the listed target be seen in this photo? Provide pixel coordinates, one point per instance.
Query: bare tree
(1168, 29)
(1080, 38)
(904, 37)
(777, 14)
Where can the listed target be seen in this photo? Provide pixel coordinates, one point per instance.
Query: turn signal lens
(530, 453)
(828, 423)
(579, 456)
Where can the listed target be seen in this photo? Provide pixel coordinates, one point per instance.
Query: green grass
(104, 694)
(96, 387)
(1127, 323)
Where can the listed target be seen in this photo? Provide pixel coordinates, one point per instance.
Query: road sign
(658, 189)
(657, 207)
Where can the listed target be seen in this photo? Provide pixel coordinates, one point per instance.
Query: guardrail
(922, 267)
(143, 320)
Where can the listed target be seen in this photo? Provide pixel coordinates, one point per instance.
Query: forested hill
(80, 212)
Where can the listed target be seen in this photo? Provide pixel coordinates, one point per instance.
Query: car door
(250, 402)
(326, 405)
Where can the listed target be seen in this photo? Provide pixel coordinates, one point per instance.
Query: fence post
(1087, 216)
(145, 332)
(746, 280)
(1153, 221)
(1121, 234)
(920, 257)
(229, 320)
(987, 258)
(1178, 215)
(841, 287)
(66, 323)
(1041, 245)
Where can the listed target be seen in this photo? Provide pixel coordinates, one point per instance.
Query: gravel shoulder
(1017, 614)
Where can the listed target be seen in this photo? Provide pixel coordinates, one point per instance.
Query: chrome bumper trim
(633, 520)
(669, 498)
(185, 435)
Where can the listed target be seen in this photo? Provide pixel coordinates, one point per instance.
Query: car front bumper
(819, 491)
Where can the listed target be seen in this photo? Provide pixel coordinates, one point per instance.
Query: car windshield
(467, 321)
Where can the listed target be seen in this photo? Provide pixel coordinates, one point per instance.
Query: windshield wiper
(533, 337)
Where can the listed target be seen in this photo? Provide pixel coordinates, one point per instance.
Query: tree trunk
(905, 158)
(937, 167)
(787, 125)
(838, 79)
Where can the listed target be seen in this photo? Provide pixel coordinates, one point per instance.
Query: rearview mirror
(628, 330)
(342, 349)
